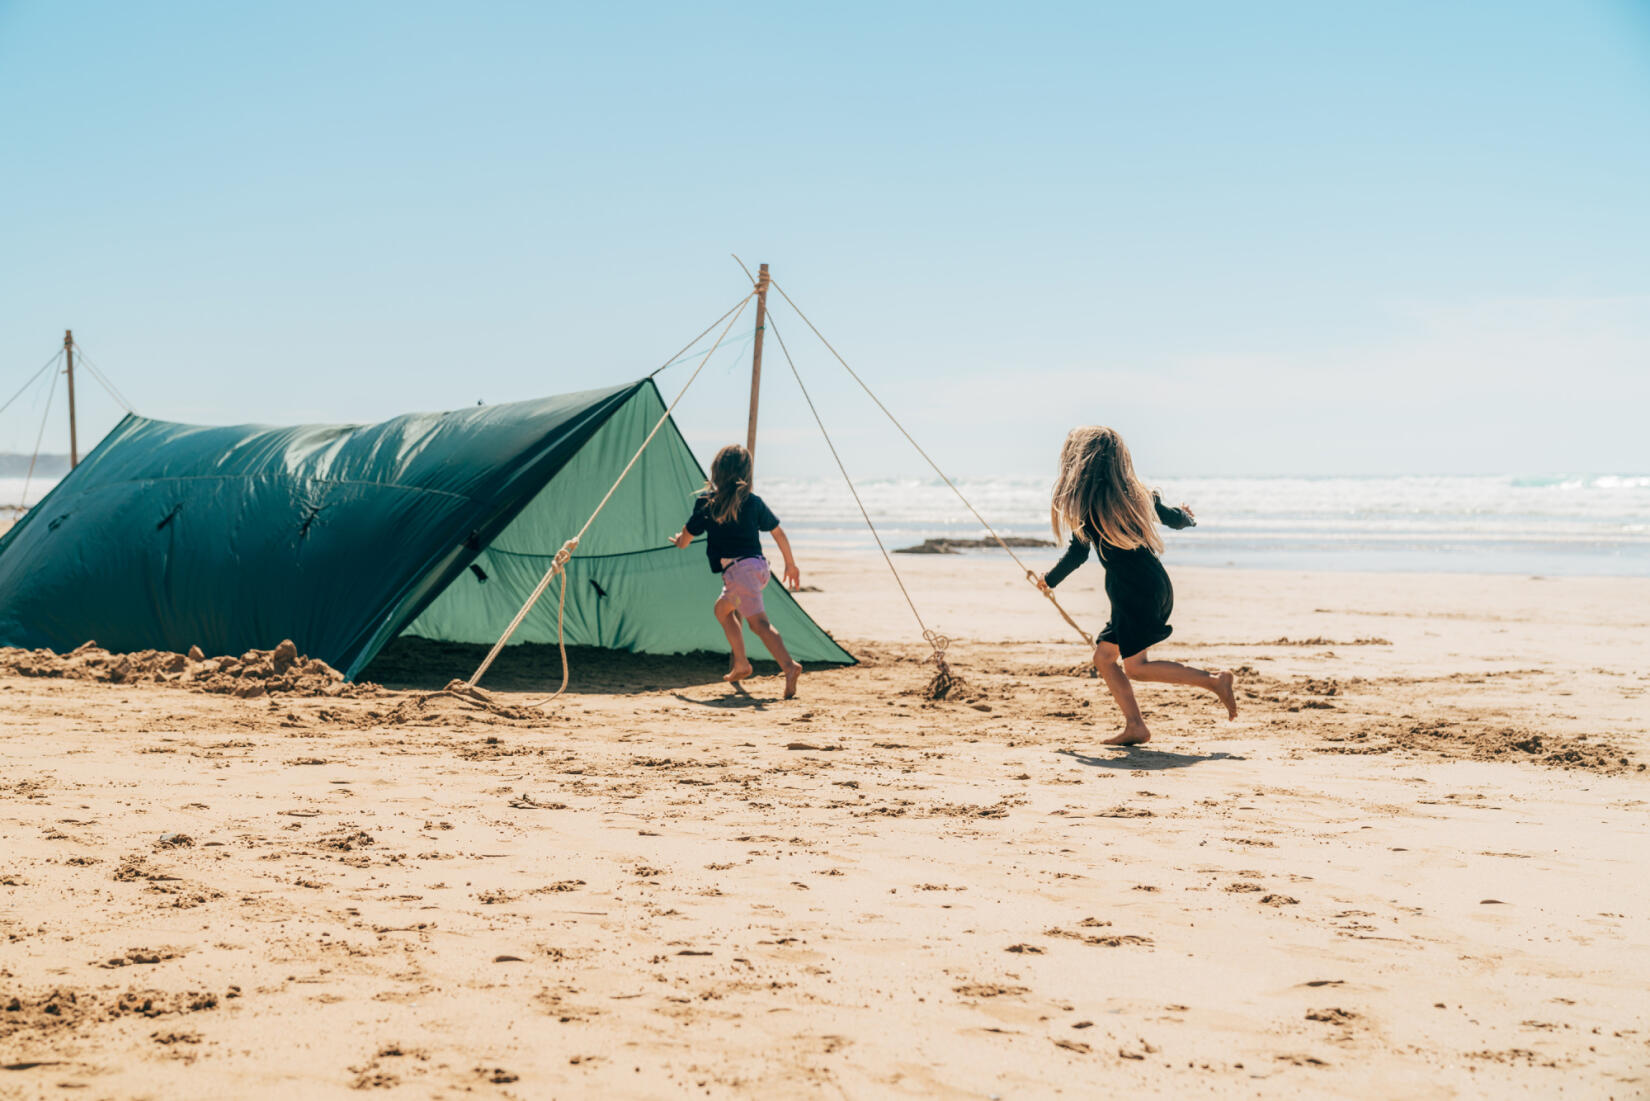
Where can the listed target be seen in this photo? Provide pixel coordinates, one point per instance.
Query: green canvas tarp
(342, 537)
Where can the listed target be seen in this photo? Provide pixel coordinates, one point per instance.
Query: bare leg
(765, 631)
(728, 616)
(1134, 727)
(1138, 667)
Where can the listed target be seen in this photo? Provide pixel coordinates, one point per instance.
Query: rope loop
(939, 642)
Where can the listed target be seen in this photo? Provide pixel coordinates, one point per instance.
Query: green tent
(343, 537)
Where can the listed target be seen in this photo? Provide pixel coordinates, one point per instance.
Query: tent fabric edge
(23, 521)
(849, 658)
(402, 612)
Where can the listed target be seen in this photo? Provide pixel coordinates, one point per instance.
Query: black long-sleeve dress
(1136, 584)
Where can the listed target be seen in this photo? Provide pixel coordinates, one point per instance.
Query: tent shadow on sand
(421, 664)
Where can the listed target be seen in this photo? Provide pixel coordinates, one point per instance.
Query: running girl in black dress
(1098, 499)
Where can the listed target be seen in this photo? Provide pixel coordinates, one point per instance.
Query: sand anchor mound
(278, 672)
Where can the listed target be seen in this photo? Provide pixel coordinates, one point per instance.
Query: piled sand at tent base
(278, 672)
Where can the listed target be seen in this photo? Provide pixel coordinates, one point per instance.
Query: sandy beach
(1413, 867)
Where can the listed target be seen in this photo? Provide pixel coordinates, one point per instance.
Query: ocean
(1560, 526)
(1566, 525)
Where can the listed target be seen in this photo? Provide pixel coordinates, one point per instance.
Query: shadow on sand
(420, 664)
(737, 699)
(1132, 757)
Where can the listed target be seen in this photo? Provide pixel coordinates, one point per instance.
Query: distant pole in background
(68, 353)
(756, 362)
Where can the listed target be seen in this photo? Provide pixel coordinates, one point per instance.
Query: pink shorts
(743, 580)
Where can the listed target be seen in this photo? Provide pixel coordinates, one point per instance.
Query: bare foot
(1133, 734)
(738, 673)
(1223, 689)
(791, 674)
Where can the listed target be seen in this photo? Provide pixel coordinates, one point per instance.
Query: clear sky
(1396, 236)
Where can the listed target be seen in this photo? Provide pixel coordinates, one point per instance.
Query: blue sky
(1258, 238)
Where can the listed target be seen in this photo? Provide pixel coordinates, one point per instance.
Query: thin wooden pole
(756, 362)
(68, 352)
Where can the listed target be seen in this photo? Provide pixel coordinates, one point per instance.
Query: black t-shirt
(740, 537)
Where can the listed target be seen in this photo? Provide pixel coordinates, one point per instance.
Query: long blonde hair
(730, 483)
(1097, 492)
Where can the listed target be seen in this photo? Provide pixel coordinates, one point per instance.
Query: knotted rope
(468, 691)
(945, 681)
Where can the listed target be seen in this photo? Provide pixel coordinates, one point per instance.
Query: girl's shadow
(738, 699)
(1133, 757)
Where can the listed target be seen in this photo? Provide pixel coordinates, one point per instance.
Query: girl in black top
(1098, 499)
(733, 519)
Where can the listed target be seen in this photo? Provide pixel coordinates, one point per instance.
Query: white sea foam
(1574, 524)
(1561, 524)
(12, 494)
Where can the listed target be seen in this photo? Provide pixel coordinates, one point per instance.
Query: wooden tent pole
(68, 352)
(756, 362)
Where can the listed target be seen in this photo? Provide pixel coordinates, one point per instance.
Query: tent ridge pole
(756, 362)
(68, 352)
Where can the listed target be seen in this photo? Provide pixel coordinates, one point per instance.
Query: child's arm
(792, 576)
(696, 525)
(1173, 517)
(1076, 554)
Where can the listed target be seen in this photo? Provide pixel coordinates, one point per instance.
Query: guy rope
(66, 355)
(944, 681)
(1030, 575)
(558, 565)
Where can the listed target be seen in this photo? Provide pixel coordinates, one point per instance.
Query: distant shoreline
(1503, 525)
(13, 465)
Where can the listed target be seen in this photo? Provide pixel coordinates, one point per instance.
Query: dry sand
(1414, 867)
